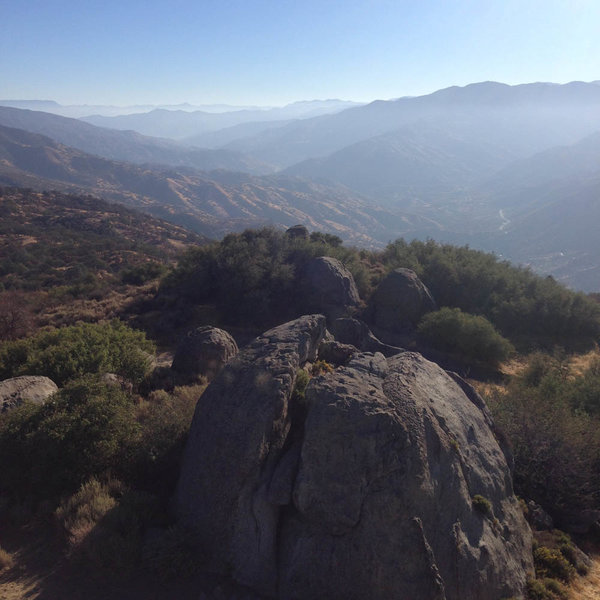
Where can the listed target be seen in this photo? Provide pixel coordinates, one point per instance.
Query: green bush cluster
(70, 352)
(550, 563)
(530, 310)
(73, 238)
(85, 430)
(264, 267)
(469, 336)
(89, 429)
(555, 443)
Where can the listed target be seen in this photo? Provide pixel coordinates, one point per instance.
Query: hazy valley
(498, 167)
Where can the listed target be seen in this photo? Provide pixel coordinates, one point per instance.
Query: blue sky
(274, 52)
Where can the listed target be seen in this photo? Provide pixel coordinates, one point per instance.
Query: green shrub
(70, 352)
(265, 267)
(302, 379)
(481, 504)
(550, 563)
(469, 336)
(86, 429)
(556, 446)
(140, 274)
(164, 421)
(530, 310)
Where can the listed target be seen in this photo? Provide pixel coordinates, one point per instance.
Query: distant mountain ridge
(518, 119)
(512, 169)
(125, 145)
(212, 204)
(76, 111)
(180, 124)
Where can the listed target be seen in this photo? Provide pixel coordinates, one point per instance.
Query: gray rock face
(330, 288)
(33, 388)
(400, 301)
(538, 518)
(364, 489)
(204, 351)
(355, 332)
(236, 444)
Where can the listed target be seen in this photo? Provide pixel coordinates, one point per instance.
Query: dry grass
(91, 310)
(588, 587)
(580, 363)
(6, 560)
(81, 512)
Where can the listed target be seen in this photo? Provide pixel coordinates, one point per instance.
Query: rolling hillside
(210, 204)
(125, 145)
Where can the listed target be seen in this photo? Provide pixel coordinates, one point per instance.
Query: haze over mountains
(513, 169)
(295, 110)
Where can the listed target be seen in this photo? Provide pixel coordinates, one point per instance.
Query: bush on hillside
(86, 429)
(556, 446)
(530, 310)
(70, 352)
(468, 336)
(263, 267)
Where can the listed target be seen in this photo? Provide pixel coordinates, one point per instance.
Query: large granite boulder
(32, 388)
(400, 301)
(204, 351)
(384, 481)
(329, 288)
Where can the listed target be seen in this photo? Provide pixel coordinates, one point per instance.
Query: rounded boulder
(330, 287)
(32, 388)
(204, 351)
(400, 301)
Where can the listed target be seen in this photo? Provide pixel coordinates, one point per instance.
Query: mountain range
(212, 204)
(513, 169)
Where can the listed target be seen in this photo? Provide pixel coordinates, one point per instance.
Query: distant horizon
(260, 53)
(141, 104)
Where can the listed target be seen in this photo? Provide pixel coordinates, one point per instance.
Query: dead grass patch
(6, 560)
(587, 587)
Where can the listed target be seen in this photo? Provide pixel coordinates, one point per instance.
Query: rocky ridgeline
(383, 480)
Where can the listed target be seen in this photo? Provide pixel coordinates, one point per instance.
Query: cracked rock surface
(363, 489)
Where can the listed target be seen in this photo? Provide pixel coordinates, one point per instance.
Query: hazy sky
(272, 52)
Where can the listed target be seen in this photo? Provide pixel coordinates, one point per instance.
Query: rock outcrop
(357, 333)
(204, 351)
(297, 232)
(384, 481)
(400, 301)
(236, 444)
(329, 288)
(32, 388)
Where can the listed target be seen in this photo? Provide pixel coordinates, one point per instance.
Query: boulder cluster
(384, 478)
